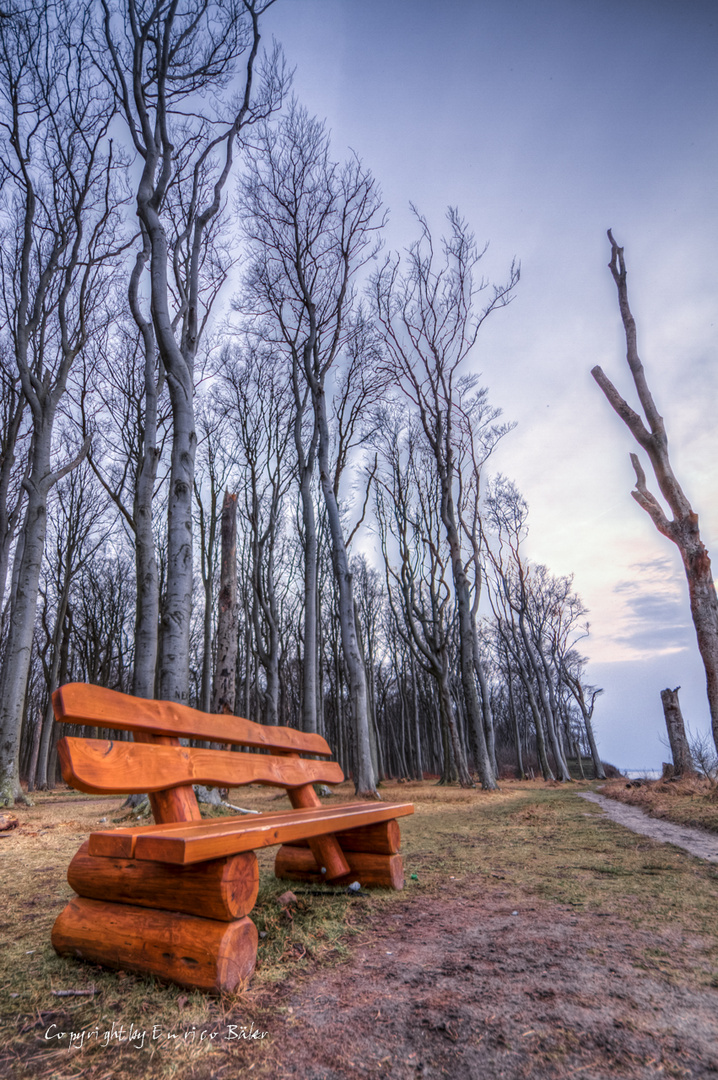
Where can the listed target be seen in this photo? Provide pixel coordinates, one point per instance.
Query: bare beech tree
(683, 528)
(12, 493)
(312, 224)
(61, 227)
(172, 70)
(408, 504)
(256, 398)
(430, 321)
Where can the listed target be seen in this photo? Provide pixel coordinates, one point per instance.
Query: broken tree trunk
(681, 751)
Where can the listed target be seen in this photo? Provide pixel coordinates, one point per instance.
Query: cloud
(652, 615)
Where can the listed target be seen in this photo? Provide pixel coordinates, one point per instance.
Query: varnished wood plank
(222, 889)
(381, 839)
(95, 706)
(196, 842)
(105, 767)
(203, 953)
(176, 804)
(369, 869)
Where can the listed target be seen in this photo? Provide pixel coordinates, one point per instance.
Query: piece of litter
(262, 933)
(414, 877)
(14, 995)
(390, 954)
(324, 870)
(514, 912)
(354, 887)
(29, 952)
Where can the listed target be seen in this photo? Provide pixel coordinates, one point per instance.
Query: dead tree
(680, 750)
(682, 528)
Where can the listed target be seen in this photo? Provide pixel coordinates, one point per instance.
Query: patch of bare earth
(469, 986)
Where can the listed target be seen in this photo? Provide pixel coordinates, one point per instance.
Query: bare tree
(408, 499)
(312, 224)
(225, 673)
(683, 528)
(172, 70)
(256, 398)
(430, 322)
(61, 213)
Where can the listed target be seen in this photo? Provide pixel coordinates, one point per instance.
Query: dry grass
(529, 838)
(691, 801)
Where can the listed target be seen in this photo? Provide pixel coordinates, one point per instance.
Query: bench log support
(203, 953)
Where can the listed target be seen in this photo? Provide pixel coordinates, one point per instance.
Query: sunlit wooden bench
(173, 899)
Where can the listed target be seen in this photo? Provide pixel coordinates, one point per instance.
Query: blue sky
(546, 122)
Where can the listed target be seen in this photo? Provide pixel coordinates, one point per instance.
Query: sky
(547, 122)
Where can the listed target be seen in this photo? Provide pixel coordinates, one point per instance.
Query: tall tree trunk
(18, 648)
(364, 778)
(147, 612)
(225, 671)
(466, 638)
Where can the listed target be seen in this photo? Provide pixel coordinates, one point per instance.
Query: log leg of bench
(368, 868)
(223, 889)
(326, 849)
(203, 953)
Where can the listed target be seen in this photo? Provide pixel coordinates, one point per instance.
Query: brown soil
(467, 986)
(473, 978)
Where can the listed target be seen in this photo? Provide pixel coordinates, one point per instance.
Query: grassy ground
(685, 802)
(530, 839)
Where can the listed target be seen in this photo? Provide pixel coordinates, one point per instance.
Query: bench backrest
(158, 764)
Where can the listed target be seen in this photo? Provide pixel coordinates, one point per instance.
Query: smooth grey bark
(682, 758)
(160, 57)
(364, 780)
(147, 606)
(225, 672)
(64, 240)
(683, 529)
(13, 407)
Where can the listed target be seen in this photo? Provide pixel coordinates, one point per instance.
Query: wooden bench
(173, 899)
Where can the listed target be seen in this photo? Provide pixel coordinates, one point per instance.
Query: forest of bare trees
(245, 458)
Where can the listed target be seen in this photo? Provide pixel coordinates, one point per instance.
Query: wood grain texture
(370, 870)
(326, 849)
(95, 706)
(195, 842)
(203, 953)
(222, 889)
(176, 804)
(105, 767)
(381, 839)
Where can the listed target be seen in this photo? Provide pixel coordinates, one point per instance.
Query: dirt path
(468, 987)
(696, 841)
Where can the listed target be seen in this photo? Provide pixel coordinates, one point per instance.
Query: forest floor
(535, 939)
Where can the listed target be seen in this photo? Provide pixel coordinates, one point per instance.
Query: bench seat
(193, 842)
